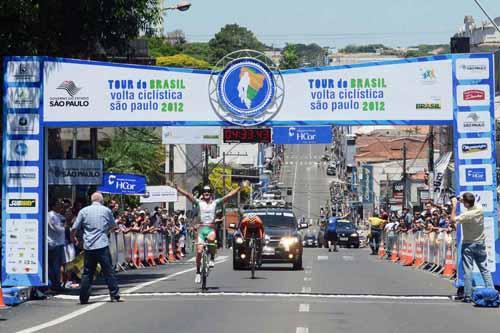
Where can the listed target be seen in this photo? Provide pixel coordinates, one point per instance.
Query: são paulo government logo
(247, 89)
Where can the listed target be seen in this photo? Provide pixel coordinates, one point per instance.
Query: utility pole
(404, 175)
(224, 194)
(171, 174)
(387, 192)
(205, 170)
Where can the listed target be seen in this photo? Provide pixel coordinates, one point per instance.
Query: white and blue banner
(42, 92)
(23, 206)
(475, 149)
(123, 183)
(302, 135)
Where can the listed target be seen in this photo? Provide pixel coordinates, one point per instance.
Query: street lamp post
(181, 6)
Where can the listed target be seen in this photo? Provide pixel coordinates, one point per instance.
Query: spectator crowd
(65, 259)
(387, 226)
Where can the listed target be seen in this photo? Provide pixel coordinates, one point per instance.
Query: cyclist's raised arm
(230, 194)
(187, 194)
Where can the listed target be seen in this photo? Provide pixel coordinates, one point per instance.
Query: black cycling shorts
(331, 236)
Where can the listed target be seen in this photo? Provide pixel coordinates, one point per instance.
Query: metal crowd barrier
(139, 250)
(433, 251)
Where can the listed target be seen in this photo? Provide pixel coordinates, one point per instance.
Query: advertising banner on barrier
(75, 172)
(184, 135)
(302, 135)
(157, 194)
(123, 183)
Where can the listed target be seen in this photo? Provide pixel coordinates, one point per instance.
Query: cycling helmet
(206, 189)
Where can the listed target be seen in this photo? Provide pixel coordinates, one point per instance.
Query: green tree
(77, 28)
(231, 38)
(290, 58)
(159, 47)
(182, 60)
(135, 150)
(370, 48)
(197, 50)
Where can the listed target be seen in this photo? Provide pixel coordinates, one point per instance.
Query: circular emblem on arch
(248, 90)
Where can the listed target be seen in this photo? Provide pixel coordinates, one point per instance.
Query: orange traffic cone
(161, 256)
(419, 258)
(381, 249)
(394, 254)
(408, 255)
(449, 264)
(171, 256)
(150, 258)
(2, 304)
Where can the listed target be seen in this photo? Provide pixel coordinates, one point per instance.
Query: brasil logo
(244, 93)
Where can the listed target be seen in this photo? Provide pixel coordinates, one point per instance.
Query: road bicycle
(252, 243)
(204, 266)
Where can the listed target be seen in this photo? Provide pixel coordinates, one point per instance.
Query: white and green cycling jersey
(207, 211)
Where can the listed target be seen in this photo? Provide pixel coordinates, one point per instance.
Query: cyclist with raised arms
(207, 206)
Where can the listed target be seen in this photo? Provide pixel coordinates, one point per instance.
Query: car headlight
(354, 234)
(239, 240)
(267, 239)
(288, 241)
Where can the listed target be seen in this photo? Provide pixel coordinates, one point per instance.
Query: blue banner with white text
(121, 183)
(302, 135)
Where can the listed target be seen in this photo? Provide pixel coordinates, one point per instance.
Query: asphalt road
(347, 291)
(309, 182)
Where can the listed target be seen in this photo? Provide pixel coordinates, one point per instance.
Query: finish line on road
(278, 295)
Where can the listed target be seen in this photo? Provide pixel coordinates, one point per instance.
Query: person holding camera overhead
(473, 242)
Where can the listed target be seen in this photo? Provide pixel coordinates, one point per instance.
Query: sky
(332, 23)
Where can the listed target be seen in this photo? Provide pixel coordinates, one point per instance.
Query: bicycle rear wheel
(204, 272)
(252, 260)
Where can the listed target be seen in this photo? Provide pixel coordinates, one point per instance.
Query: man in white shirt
(56, 239)
(391, 236)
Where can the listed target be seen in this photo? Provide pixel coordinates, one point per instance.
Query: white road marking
(322, 258)
(308, 207)
(94, 306)
(302, 330)
(348, 258)
(294, 295)
(294, 182)
(307, 278)
(306, 289)
(62, 319)
(304, 308)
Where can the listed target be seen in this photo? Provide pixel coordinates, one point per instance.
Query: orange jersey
(251, 225)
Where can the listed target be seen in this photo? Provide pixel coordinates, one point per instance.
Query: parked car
(331, 170)
(347, 234)
(310, 239)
